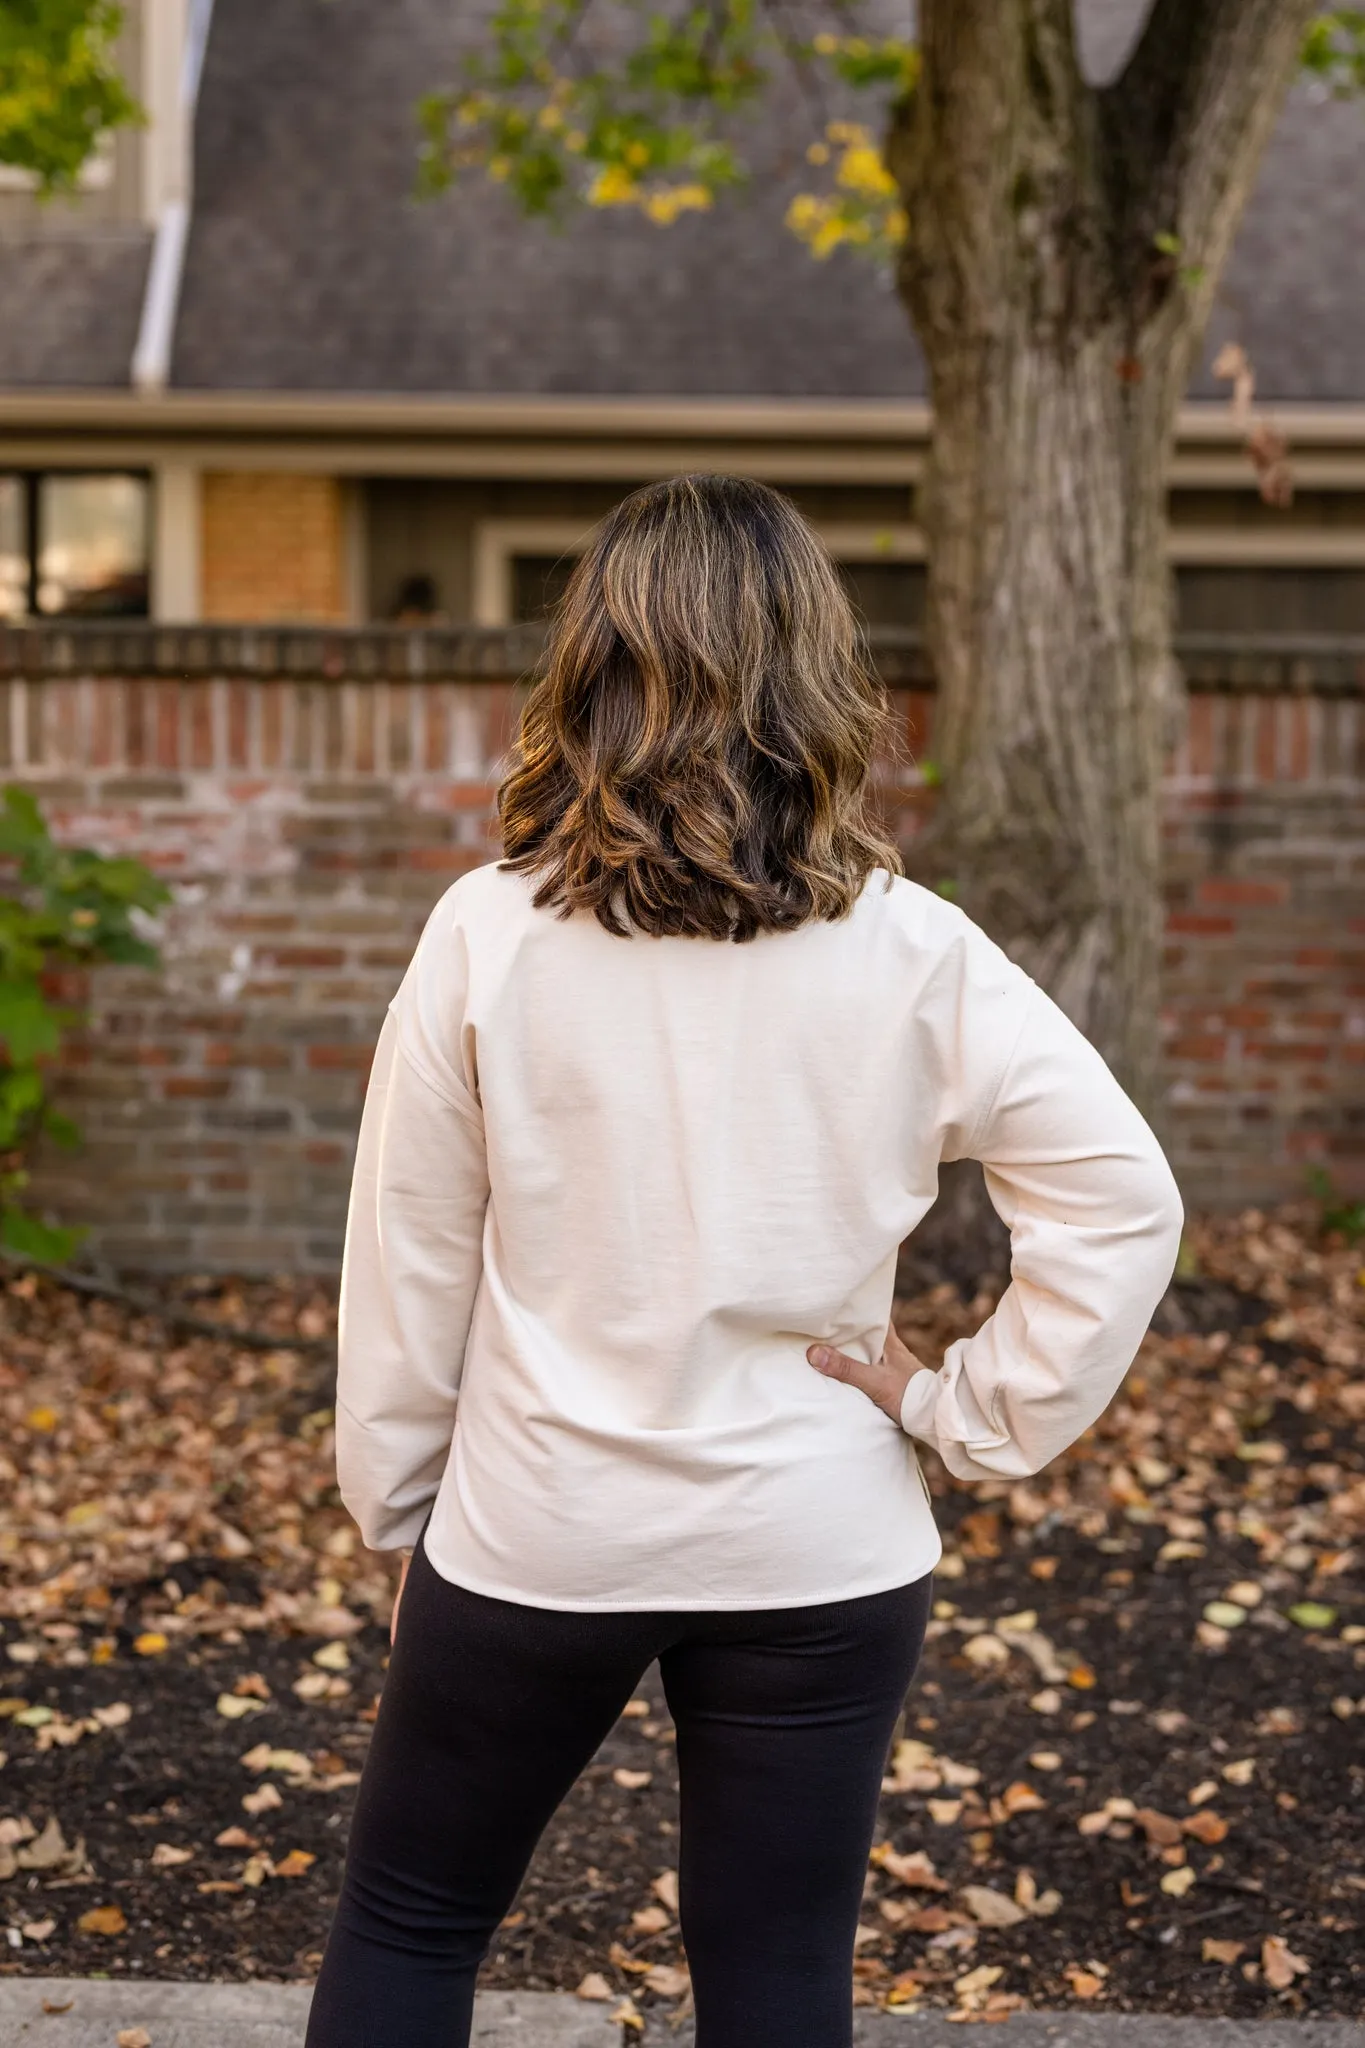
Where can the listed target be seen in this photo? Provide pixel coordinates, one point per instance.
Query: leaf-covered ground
(1131, 1768)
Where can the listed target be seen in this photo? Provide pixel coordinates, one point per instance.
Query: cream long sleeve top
(608, 1190)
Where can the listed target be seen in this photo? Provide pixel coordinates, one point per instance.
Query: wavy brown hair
(693, 757)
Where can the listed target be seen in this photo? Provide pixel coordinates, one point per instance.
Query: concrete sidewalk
(273, 2016)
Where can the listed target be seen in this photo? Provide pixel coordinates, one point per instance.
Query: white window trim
(497, 543)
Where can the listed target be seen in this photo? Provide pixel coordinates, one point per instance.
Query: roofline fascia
(297, 414)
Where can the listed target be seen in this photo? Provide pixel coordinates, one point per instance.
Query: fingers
(883, 1382)
(837, 1365)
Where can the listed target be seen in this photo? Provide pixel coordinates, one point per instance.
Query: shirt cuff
(918, 1403)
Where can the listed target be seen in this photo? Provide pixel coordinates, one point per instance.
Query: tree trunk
(1062, 251)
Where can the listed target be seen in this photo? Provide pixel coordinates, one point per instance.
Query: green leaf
(1312, 1614)
(60, 88)
(1334, 50)
(30, 1238)
(27, 1025)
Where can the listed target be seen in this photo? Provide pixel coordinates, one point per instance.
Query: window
(73, 545)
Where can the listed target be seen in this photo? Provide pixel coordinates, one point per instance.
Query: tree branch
(1183, 127)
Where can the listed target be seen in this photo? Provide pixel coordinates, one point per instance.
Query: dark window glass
(73, 546)
(886, 594)
(92, 546)
(13, 548)
(1299, 601)
(538, 584)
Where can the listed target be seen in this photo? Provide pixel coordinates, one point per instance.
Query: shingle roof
(71, 304)
(311, 266)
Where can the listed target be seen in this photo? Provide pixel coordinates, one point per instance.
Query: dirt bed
(1131, 1767)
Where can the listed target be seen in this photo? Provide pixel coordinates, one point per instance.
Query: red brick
(1233, 890)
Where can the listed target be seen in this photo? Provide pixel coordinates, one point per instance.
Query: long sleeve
(1094, 1218)
(413, 1256)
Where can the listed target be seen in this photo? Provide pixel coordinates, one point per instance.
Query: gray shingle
(71, 307)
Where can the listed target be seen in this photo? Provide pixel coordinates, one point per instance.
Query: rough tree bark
(1064, 246)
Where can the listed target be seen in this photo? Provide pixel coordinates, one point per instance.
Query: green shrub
(61, 907)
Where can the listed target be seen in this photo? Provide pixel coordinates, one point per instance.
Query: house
(246, 375)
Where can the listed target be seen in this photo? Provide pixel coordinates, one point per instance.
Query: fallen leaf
(630, 1781)
(627, 2014)
(296, 1864)
(668, 1979)
(1161, 1831)
(1311, 1614)
(1241, 1772)
(1280, 1964)
(913, 1868)
(234, 1707)
(1084, 1983)
(165, 1856)
(1045, 1760)
(650, 1920)
(1081, 1676)
(1020, 1798)
(103, 1920)
(133, 2037)
(1048, 1701)
(235, 1838)
(594, 1986)
(46, 1850)
(37, 1930)
(943, 1812)
(263, 1800)
(1206, 1826)
(1207, 1788)
(1227, 1952)
(1224, 1614)
(55, 2005)
(665, 1890)
(1177, 1882)
(252, 1686)
(333, 1657)
(978, 1980)
(991, 1908)
(151, 1643)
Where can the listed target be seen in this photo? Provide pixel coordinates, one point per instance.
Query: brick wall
(274, 547)
(309, 795)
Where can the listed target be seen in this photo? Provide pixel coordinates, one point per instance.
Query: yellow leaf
(1082, 1677)
(1084, 1983)
(333, 1657)
(296, 1864)
(1178, 1882)
(979, 1979)
(151, 1643)
(233, 1708)
(42, 1419)
(103, 1920)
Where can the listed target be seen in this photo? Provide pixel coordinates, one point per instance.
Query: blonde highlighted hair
(694, 754)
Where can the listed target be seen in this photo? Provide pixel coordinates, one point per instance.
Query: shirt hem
(900, 1575)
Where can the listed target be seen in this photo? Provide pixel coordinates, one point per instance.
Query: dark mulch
(1121, 1691)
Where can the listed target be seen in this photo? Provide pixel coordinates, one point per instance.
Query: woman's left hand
(884, 1383)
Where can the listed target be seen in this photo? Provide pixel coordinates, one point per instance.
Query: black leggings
(491, 1710)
